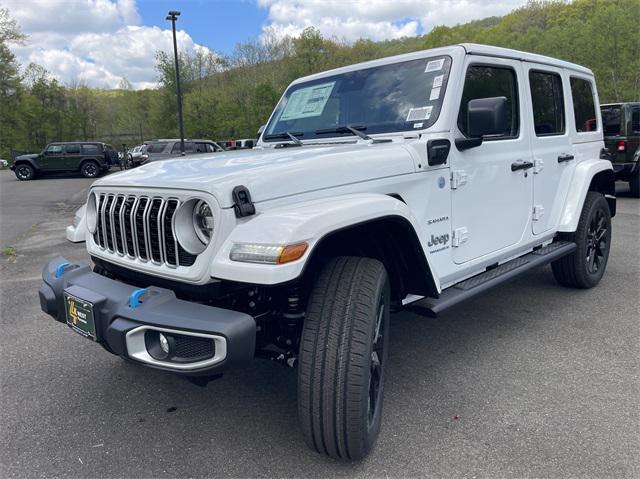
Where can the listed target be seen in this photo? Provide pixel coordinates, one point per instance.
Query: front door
(491, 193)
(552, 151)
(52, 158)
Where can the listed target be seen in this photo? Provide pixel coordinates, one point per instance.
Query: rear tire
(90, 169)
(634, 185)
(342, 358)
(25, 172)
(585, 267)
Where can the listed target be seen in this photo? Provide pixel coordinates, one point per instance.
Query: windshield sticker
(437, 81)
(417, 114)
(435, 94)
(434, 65)
(418, 125)
(307, 102)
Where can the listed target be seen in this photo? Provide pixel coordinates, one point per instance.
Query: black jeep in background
(622, 138)
(87, 157)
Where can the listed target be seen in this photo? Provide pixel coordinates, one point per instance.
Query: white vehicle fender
(582, 177)
(77, 231)
(306, 222)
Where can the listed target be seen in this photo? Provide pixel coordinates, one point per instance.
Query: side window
(90, 150)
(611, 120)
(72, 149)
(547, 102)
(635, 120)
(54, 150)
(156, 147)
(203, 147)
(584, 109)
(188, 147)
(488, 82)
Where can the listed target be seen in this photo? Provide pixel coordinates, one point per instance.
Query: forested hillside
(230, 97)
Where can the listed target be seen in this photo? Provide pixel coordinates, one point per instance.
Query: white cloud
(97, 42)
(375, 19)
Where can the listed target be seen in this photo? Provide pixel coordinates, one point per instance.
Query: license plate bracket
(80, 317)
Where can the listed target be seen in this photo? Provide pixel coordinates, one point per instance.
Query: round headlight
(203, 221)
(91, 213)
(193, 225)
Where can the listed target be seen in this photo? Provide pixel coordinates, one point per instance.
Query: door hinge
(538, 166)
(460, 236)
(458, 178)
(538, 212)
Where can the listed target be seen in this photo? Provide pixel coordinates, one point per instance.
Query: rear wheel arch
(392, 240)
(604, 182)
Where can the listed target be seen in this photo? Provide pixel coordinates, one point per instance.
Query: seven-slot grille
(140, 227)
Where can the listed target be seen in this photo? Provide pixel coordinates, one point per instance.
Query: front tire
(585, 267)
(25, 172)
(90, 169)
(342, 358)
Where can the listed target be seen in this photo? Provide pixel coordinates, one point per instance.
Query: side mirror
(485, 117)
(260, 131)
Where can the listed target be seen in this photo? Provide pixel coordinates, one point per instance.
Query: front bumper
(121, 325)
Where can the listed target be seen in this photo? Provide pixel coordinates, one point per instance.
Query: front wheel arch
(391, 240)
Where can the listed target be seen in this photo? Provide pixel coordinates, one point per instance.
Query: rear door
(491, 203)
(551, 148)
(72, 156)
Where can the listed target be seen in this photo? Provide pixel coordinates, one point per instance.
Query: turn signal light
(292, 252)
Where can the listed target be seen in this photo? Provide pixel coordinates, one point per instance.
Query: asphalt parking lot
(530, 380)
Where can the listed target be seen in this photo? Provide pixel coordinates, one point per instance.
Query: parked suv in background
(622, 138)
(87, 157)
(169, 148)
(431, 176)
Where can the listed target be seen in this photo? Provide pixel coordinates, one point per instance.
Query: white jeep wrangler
(428, 177)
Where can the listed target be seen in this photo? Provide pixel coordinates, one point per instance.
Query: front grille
(140, 227)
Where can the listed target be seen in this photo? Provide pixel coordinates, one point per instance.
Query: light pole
(173, 16)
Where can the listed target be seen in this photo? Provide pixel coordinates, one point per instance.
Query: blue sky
(101, 42)
(218, 25)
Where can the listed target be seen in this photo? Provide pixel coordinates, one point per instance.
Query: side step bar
(500, 274)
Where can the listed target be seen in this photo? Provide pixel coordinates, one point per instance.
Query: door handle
(521, 165)
(563, 158)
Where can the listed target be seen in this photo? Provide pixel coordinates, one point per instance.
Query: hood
(270, 173)
(28, 156)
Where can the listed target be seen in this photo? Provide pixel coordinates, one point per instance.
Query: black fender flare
(28, 161)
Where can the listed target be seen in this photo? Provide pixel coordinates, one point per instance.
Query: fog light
(164, 344)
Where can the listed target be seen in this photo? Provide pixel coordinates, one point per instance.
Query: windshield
(389, 98)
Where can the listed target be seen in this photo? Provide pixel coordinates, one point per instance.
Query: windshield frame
(374, 129)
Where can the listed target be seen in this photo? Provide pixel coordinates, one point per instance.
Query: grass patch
(9, 251)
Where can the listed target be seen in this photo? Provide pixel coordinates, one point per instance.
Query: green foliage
(230, 97)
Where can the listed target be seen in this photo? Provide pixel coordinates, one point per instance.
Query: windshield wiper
(293, 136)
(345, 129)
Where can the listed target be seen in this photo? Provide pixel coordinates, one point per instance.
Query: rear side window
(156, 147)
(611, 120)
(584, 109)
(635, 120)
(72, 149)
(548, 103)
(488, 82)
(90, 149)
